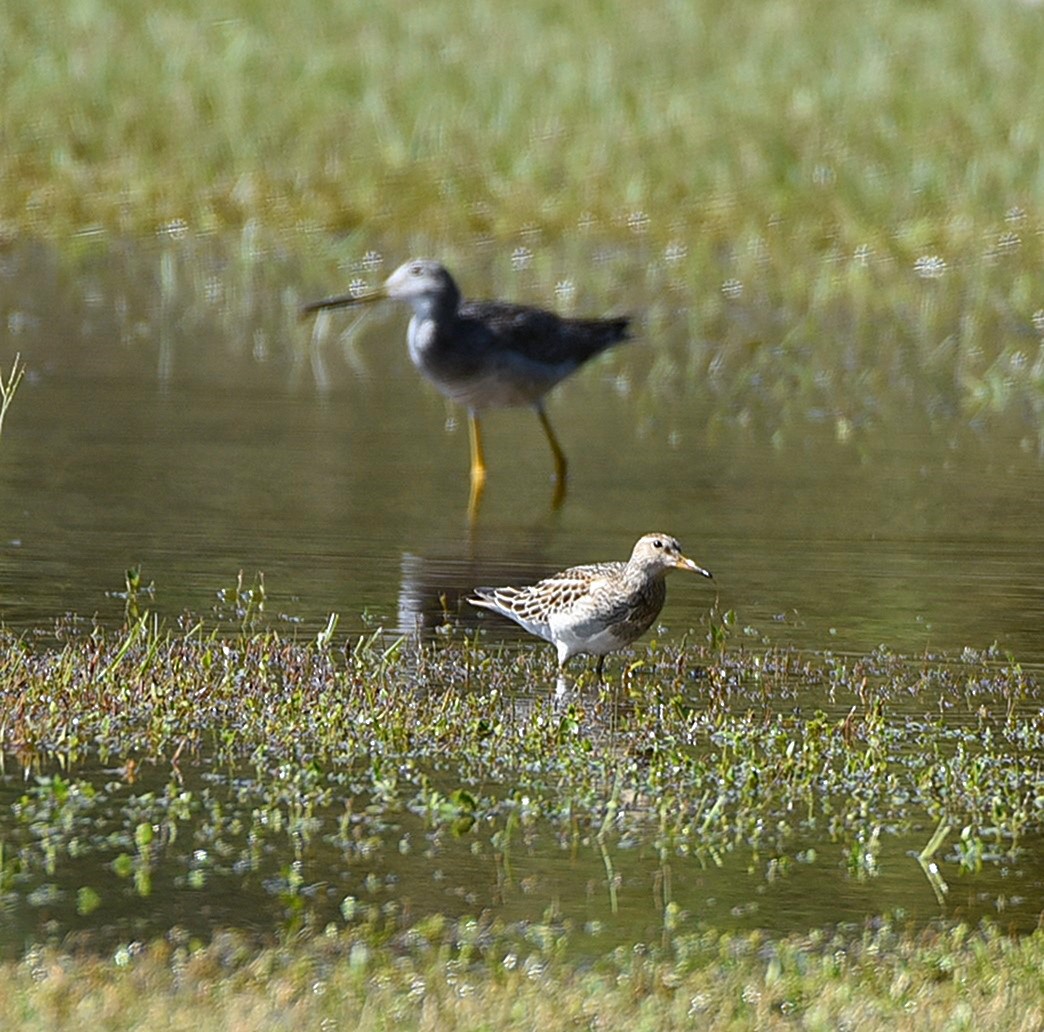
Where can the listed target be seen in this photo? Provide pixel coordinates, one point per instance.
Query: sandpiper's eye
(657, 543)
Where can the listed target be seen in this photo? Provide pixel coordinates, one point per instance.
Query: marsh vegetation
(329, 793)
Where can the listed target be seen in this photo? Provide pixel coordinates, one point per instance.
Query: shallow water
(230, 853)
(177, 414)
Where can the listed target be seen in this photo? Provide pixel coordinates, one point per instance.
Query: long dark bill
(341, 301)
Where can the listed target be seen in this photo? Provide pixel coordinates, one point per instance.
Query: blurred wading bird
(487, 354)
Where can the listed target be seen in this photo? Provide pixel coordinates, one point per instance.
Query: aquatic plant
(8, 388)
(213, 761)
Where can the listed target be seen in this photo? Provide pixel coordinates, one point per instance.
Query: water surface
(178, 415)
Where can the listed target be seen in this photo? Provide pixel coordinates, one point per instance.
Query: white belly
(574, 639)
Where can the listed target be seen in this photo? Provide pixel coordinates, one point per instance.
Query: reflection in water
(433, 591)
(208, 432)
(427, 596)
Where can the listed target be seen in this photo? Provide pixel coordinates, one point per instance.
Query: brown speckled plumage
(597, 608)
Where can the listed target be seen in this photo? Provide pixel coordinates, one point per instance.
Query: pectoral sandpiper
(595, 609)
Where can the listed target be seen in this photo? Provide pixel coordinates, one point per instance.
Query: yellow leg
(556, 448)
(560, 459)
(478, 466)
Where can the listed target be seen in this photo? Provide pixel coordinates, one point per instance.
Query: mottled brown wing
(563, 592)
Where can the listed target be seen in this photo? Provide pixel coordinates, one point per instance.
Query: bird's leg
(478, 466)
(598, 668)
(478, 456)
(559, 455)
(556, 448)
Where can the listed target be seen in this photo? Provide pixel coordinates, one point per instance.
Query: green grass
(8, 388)
(951, 980)
(905, 126)
(832, 207)
(706, 748)
(152, 762)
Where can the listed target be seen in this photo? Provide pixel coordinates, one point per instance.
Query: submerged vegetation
(209, 758)
(397, 820)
